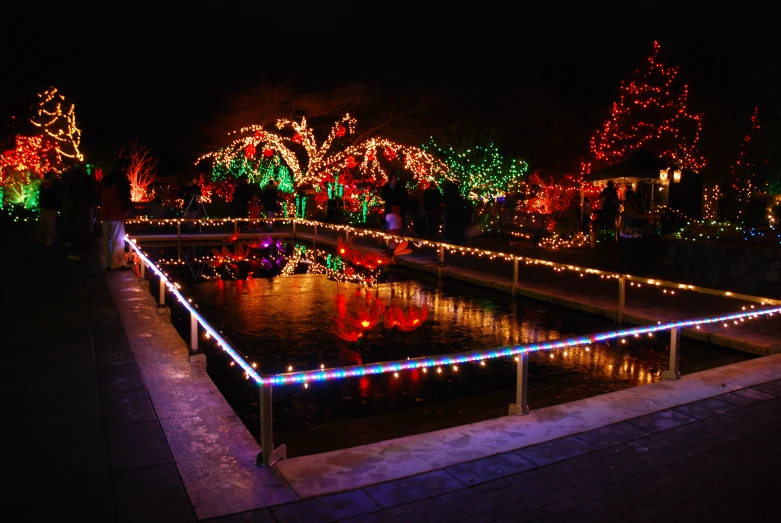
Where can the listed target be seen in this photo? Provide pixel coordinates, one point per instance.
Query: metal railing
(269, 454)
(443, 247)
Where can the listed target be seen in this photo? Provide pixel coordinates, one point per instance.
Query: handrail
(187, 304)
(480, 252)
(512, 350)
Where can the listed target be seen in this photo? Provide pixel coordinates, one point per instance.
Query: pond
(301, 317)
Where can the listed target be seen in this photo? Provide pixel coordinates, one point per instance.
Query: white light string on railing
(458, 249)
(224, 345)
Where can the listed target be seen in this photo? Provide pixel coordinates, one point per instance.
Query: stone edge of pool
(215, 452)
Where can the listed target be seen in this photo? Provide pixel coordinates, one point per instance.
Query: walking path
(110, 421)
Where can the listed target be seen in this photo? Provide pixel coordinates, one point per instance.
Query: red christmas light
(249, 151)
(744, 169)
(297, 138)
(341, 131)
(650, 113)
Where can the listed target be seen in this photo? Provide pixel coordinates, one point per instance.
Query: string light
(650, 113)
(477, 356)
(57, 123)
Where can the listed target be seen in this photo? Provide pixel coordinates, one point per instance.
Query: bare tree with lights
(141, 172)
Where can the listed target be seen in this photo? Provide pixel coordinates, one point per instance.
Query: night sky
(544, 87)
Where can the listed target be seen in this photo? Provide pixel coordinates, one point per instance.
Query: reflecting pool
(306, 315)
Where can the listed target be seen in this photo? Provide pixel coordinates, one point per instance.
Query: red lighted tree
(141, 172)
(744, 170)
(650, 113)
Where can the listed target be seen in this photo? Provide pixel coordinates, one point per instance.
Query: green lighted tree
(481, 172)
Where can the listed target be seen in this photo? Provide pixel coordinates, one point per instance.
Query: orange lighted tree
(141, 172)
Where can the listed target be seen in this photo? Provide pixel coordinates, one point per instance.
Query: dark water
(290, 322)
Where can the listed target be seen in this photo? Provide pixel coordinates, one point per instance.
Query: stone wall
(746, 270)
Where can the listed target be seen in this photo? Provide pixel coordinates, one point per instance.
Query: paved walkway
(87, 441)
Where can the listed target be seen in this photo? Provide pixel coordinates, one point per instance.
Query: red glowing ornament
(260, 135)
(371, 155)
(249, 151)
(268, 153)
(389, 153)
(297, 138)
(406, 320)
(351, 162)
(341, 131)
(357, 316)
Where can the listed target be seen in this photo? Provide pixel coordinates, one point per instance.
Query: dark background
(541, 83)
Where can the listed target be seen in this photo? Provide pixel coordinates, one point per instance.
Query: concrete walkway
(110, 421)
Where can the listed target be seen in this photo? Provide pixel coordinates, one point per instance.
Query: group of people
(82, 203)
(430, 211)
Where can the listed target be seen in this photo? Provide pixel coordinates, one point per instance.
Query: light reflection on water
(286, 322)
(283, 322)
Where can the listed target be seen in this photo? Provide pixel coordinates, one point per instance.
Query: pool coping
(358, 467)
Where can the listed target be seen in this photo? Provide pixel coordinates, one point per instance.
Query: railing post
(141, 268)
(179, 240)
(161, 308)
(268, 455)
(193, 332)
(673, 373)
(347, 235)
(621, 299)
(521, 405)
(441, 262)
(314, 238)
(515, 275)
(236, 226)
(294, 228)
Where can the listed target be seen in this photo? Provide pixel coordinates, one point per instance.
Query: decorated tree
(57, 119)
(481, 172)
(743, 172)
(312, 164)
(141, 172)
(22, 168)
(651, 113)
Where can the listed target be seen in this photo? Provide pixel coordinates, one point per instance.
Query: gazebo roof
(640, 166)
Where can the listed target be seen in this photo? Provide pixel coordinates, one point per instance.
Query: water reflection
(286, 323)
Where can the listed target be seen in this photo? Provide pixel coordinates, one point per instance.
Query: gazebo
(657, 183)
